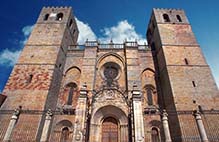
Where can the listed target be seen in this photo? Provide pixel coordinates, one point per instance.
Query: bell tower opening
(110, 130)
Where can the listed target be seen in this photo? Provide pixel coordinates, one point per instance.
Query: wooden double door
(110, 131)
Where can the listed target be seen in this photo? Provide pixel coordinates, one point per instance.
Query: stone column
(138, 116)
(200, 125)
(13, 121)
(124, 133)
(166, 126)
(80, 118)
(45, 133)
(95, 133)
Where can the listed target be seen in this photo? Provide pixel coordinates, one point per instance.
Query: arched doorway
(109, 130)
(109, 124)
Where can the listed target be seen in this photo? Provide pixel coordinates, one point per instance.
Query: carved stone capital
(83, 91)
(49, 114)
(16, 112)
(197, 114)
(164, 115)
(136, 94)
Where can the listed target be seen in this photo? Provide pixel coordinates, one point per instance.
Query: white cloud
(122, 31)
(26, 32)
(118, 33)
(85, 32)
(8, 57)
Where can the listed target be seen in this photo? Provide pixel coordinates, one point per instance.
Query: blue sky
(117, 19)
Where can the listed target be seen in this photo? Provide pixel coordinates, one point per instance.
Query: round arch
(147, 69)
(58, 128)
(149, 86)
(72, 67)
(110, 54)
(64, 123)
(103, 113)
(109, 111)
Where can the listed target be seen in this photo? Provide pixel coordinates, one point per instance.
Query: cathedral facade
(60, 91)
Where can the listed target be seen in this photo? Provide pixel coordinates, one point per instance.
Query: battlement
(169, 15)
(57, 7)
(55, 14)
(51, 23)
(169, 9)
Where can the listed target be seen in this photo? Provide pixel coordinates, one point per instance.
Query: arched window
(150, 96)
(166, 18)
(46, 17)
(178, 18)
(155, 135)
(72, 88)
(64, 135)
(149, 91)
(59, 16)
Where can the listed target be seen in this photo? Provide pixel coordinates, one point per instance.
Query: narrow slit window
(30, 78)
(149, 96)
(74, 31)
(186, 61)
(70, 24)
(193, 83)
(72, 89)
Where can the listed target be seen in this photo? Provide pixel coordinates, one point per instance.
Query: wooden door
(110, 130)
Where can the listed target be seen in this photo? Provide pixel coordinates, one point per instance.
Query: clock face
(111, 72)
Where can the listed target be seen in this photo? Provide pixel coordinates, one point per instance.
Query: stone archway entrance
(110, 130)
(109, 124)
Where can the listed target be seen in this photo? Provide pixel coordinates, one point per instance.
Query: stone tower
(35, 80)
(184, 78)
